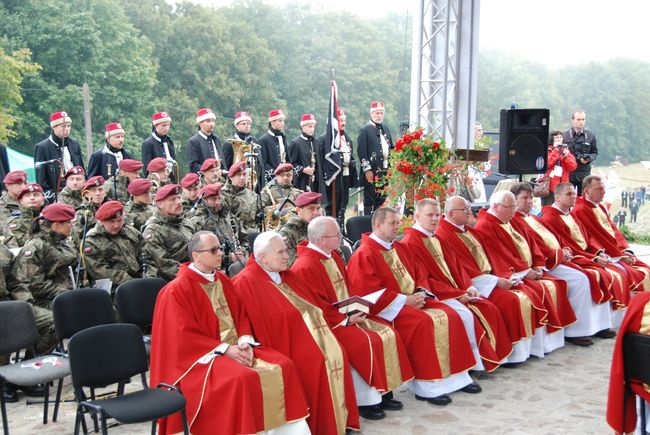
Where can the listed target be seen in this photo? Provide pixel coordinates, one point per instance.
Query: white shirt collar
(387, 245)
(203, 135)
(555, 206)
(418, 227)
(594, 203)
(310, 245)
(460, 227)
(275, 276)
(209, 276)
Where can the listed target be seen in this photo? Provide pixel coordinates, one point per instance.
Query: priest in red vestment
(590, 212)
(510, 253)
(621, 411)
(285, 318)
(202, 342)
(573, 235)
(433, 333)
(587, 294)
(376, 352)
(484, 325)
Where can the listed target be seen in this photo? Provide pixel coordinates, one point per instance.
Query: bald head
(457, 210)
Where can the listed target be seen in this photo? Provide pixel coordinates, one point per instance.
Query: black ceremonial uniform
(51, 148)
(582, 145)
(154, 147)
(99, 161)
(302, 154)
(201, 147)
(271, 152)
(372, 157)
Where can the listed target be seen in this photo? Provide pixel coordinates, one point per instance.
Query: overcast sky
(553, 32)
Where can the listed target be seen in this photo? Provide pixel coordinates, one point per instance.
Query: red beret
(109, 210)
(168, 190)
(308, 198)
(139, 186)
(211, 190)
(95, 181)
(75, 170)
(283, 167)
(130, 165)
(157, 165)
(190, 180)
(236, 169)
(31, 187)
(15, 177)
(209, 164)
(58, 212)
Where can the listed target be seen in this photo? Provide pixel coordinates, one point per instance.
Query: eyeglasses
(507, 206)
(465, 209)
(213, 250)
(339, 235)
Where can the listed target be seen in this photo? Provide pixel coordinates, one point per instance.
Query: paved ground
(566, 392)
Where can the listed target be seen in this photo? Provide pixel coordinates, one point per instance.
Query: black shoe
(442, 400)
(580, 341)
(510, 365)
(372, 412)
(605, 333)
(390, 404)
(10, 393)
(472, 388)
(33, 390)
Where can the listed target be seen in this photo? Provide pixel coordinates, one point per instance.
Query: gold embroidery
(548, 237)
(227, 331)
(391, 358)
(433, 246)
(441, 331)
(336, 278)
(520, 243)
(402, 276)
(526, 307)
(272, 385)
(602, 219)
(576, 234)
(477, 251)
(552, 289)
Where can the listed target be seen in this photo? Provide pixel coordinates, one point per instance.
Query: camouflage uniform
(187, 205)
(84, 213)
(113, 257)
(272, 196)
(294, 232)
(122, 183)
(8, 204)
(227, 226)
(244, 204)
(20, 224)
(165, 243)
(71, 197)
(137, 214)
(5, 266)
(38, 274)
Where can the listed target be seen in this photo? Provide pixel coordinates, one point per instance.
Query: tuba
(240, 149)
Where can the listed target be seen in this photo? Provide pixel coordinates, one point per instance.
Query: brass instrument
(156, 183)
(278, 215)
(239, 149)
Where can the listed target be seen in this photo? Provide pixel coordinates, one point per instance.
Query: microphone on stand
(196, 204)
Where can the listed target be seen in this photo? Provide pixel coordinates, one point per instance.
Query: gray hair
(449, 203)
(317, 227)
(263, 240)
(498, 197)
(195, 243)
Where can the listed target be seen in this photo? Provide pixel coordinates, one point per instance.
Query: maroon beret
(110, 210)
(58, 212)
(15, 177)
(236, 169)
(157, 165)
(139, 186)
(308, 198)
(209, 164)
(130, 165)
(168, 190)
(75, 170)
(95, 181)
(211, 190)
(31, 187)
(190, 180)
(284, 167)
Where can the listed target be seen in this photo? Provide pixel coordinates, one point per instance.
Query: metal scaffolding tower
(444, 69)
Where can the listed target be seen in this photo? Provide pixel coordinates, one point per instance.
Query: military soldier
(274, 143)
(204, 144)
(113, 250)
(94, 196)
(211, 172)
(240, 200)
(279, 195)
(159, 144)
(166, 234)
(158, 173)
(31, 199)
(214, 217)
(74, 182)
(302, 155)
(44, 268)
(191, 184)
(139, 209)
(129, 171)
(294, 231)
(14, 181)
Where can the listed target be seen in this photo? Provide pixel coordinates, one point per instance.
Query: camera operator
(561, 163)
(582, 143)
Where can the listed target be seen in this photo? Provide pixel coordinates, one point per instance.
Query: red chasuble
(435, 337)
(374, 348)
(637, 320)
(532, 228)
(512, 252)
(522, 311)
(446, 281)
(596, 220)
(570, 232)
(192, 317)
(284, 318)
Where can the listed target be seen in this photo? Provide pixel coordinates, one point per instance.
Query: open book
(358, 304)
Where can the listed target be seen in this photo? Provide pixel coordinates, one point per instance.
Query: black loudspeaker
(523, 137)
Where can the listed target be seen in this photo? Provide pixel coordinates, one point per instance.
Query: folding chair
(636, 365)
(106, 354)
(18, 332)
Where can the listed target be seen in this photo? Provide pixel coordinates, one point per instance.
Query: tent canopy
(22, 162)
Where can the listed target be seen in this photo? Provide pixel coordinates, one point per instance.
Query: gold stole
(270, 375)
(402, 276)
(477, 251)
(329, 347)
(387, 335)
(548, 237)
(433, 246)
(576, 234)
(601, 217)
(520, 243)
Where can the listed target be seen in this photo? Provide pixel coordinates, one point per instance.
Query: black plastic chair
(18, 332)
(357, 225)
(251, 241)
(136, 300)
(636, 365)
(106, 354)
(235, 268)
